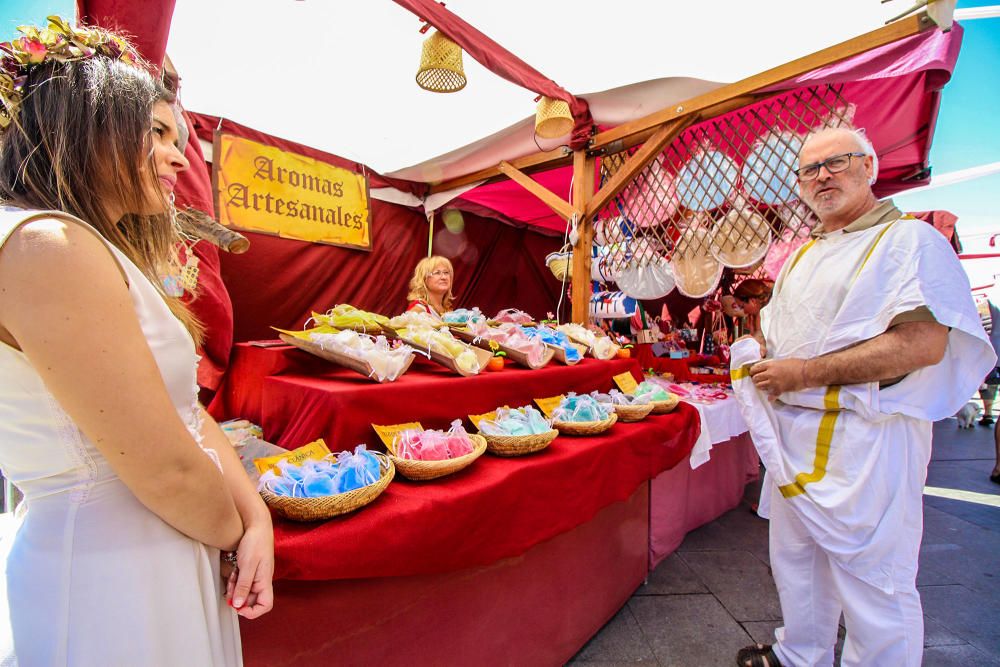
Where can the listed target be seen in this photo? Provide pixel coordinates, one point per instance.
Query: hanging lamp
(441, 65)
(552, 118)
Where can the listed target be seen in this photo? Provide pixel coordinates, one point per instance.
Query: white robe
(851, 461)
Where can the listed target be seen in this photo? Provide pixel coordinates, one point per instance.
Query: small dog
(967, 415)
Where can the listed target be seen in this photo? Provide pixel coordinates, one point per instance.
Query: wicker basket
(560, 263)
(553, 118)
(518, 445)
(633, 413)
(585, 428)
(318, 509)
(663, 407)
(418, 470)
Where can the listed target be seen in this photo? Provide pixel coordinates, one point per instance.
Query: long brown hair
(80, 139)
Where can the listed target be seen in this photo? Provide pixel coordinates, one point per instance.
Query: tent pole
(583, 190)
(430, 233)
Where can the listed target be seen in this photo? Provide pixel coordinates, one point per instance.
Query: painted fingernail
(238, 602)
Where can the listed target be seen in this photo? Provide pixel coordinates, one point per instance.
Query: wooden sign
(264, 189)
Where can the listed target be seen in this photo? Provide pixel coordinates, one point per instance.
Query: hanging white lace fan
(696, 271)
(740, 238)
(647, 273)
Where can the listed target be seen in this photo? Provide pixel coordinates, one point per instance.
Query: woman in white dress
(131, 490)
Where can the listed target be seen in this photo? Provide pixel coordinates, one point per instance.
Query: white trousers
(882, 629)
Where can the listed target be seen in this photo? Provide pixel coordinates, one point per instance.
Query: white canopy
(339, 76)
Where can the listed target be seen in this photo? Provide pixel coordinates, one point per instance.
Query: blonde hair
(418, 283)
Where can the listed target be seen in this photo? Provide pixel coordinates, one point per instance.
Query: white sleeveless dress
(92, 576)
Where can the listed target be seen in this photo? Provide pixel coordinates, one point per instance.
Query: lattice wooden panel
(721, 195)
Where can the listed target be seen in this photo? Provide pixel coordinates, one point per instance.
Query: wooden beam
(649, 151)
(528, 163)
(562, 207)
(583, 190)
(852, 47)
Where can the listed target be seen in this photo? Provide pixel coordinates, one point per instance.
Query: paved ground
(715, 594)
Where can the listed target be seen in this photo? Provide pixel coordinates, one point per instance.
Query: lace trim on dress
(71, 434)
(195, 423)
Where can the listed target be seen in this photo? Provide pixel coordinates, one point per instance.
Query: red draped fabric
(147, 24)
(279, 282)
(495, 509)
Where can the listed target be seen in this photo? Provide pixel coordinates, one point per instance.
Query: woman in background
(430, 286)
(131, 491)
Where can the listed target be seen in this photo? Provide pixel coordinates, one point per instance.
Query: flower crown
(59, 42)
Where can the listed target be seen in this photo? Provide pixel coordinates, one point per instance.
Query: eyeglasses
(834, 165)
(439, 273)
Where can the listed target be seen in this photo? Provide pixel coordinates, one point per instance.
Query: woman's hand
(248, 586)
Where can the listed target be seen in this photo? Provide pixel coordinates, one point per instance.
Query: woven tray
(663, 407)
(633, 413)
(318, 509)
(560, 354)
(418, 470)
(584, 347)
(483, 356)
(518, 445)
(362, 367)
(518, 357)
(585, 428)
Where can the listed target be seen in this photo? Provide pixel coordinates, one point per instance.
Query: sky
(324, 77)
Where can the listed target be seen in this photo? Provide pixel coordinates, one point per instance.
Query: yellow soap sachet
(315, 450)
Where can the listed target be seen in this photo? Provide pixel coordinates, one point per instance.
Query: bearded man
(870, 335)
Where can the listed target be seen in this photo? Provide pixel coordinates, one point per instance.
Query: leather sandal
(758, 655)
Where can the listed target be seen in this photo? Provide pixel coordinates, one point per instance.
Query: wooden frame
(655, 131)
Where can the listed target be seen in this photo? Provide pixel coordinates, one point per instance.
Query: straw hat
(740, 238)
(696, 271)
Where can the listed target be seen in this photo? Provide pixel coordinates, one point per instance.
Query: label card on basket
(489, 416)
(626, 382)
(548, 405)
(315, 450)
(387, 433)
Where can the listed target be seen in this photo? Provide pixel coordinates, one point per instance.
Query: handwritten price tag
(387, 433)
(314, 450)
(489, 416)
(626, 382)
(548, 405)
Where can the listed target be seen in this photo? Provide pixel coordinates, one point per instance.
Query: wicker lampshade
(552, 118)
(441, 65)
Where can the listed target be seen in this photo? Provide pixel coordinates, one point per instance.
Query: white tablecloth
(720, 421)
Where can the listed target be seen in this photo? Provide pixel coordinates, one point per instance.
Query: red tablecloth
(679, 368)
(297, 397)
(494, 509)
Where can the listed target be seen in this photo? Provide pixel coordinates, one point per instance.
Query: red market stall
(514, 561)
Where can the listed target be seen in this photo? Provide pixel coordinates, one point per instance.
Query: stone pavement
(715, 594)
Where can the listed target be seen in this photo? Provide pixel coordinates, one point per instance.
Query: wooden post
(583, 190)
